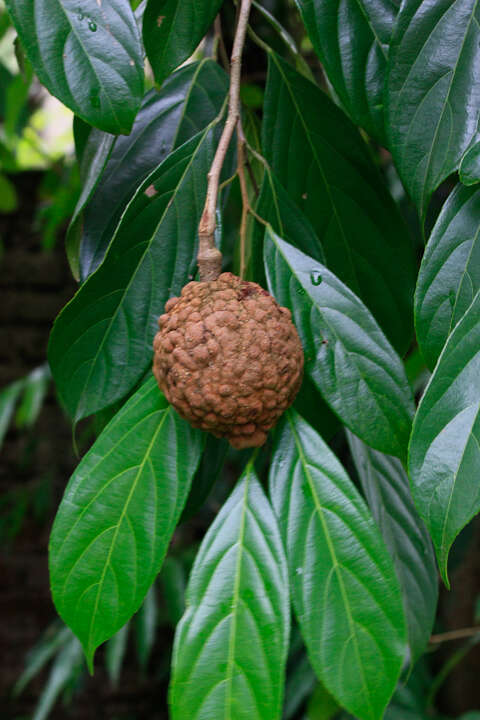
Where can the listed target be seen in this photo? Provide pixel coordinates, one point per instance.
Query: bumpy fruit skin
(228, 358)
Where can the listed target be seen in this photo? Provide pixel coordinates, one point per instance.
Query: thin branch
(209, 257)
(220, 44)
(241, 159)
(454, 635)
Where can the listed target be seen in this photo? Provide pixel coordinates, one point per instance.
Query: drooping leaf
(322, 162)
(352, 40)
(88, 55)
(118, 514)
(145, 626)
(115, 654)
(8, 401)
(211, 466)
(172, 29)
(431, 102)
(275, 206)
(35, 388)
(345, 592)
(444, 452)
(189, 100)
(450, 272)
(346, 354)
(386, 489)
(101, 342)
(94, 150)
(231, 644)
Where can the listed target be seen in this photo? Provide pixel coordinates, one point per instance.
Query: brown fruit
(228, 358)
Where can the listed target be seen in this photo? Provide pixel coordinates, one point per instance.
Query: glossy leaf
(172, 29)
(322, 162)
(450, 272)
(346, 354)
(101, 343)
(89, 56)
(118, 514)
(187, 102)
(444, 453)
(95, 149)
(432, 103)
(276, 207)
(386, 489)
(345, 592)
(231, 644)
(352, 40)
(469, 171)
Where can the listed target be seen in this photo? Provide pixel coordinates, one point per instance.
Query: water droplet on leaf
(315, 277)
(92, 26)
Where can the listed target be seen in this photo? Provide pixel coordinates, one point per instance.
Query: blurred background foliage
(43, 673)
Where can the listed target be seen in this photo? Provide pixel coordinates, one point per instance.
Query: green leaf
(346, 354)
(432, 104)
(65, 668)
(386, 489)
(231, 644)
(88, 55)
(115, 654)
(145, 627)
(276, 207)
(469, 171)
(449, 275)
(322, 162)
(95, 149)
(8, 195)
(345, 592)
(444, 452)
(351, 40)
(172, 29)
(188, 101)
(8, 400)
(35, 389)
(211, 466)
(118, 514)
(101, 343)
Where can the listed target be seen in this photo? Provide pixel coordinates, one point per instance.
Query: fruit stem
(209, 258)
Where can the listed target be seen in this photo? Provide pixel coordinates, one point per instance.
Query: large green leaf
(450, 272)
(88, 55)
(385, 485)
(172, 29)
(444, 453)
(352, 39)
(93, 151)
(346, 354)
(231, 644)
(345, 592)
(189, 100)
(276, 207)
(321, 160)
(101, 342)
(118, 514)
(432, 104)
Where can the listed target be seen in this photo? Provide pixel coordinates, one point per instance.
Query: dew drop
(315, 277)
(301, 291)
(80, 14)
(92, 26)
